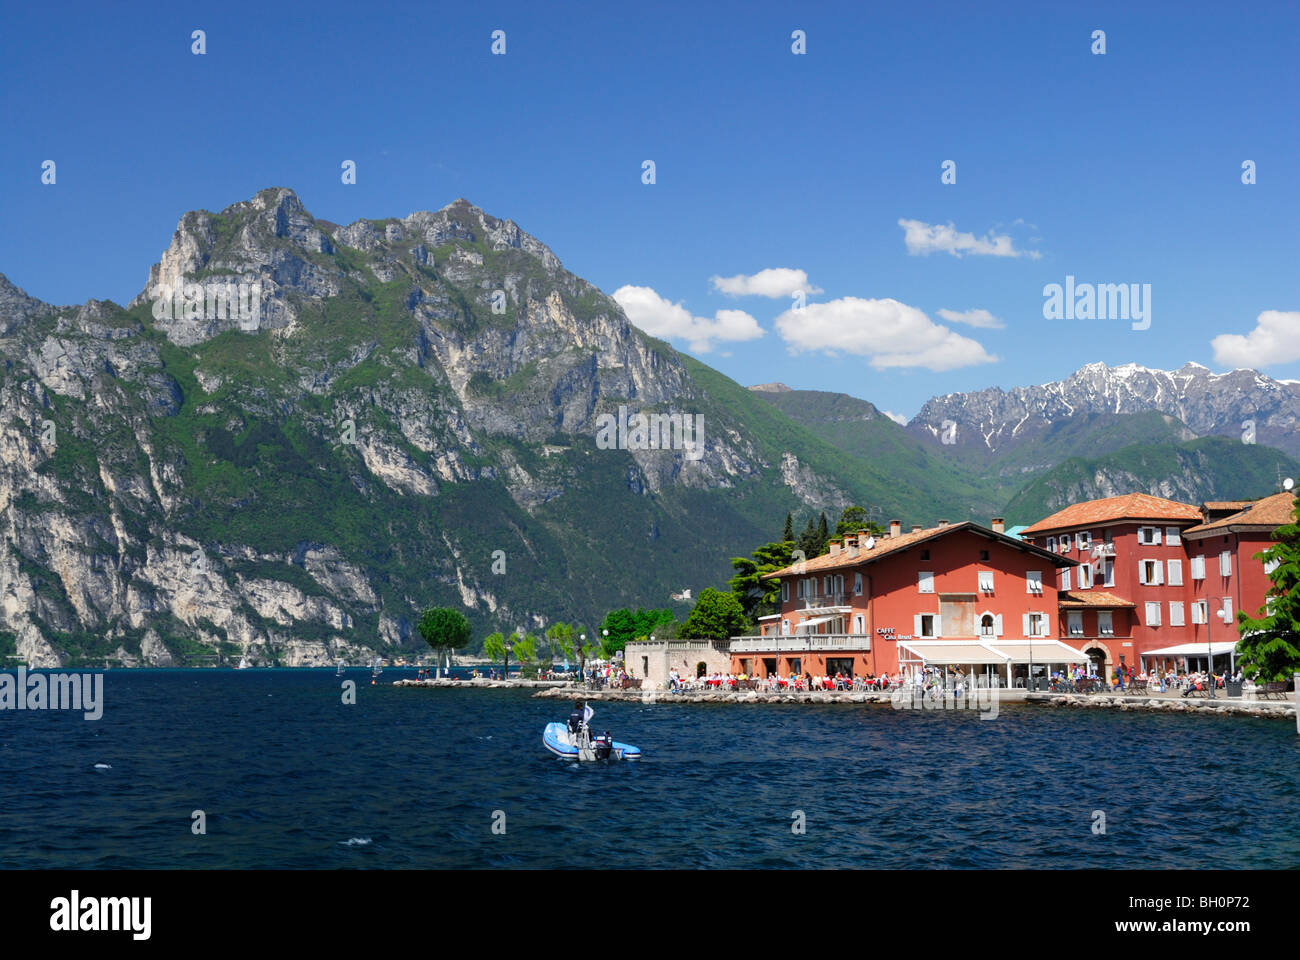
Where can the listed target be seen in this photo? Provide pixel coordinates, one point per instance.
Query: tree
(808, 539)
(444, 629)
(787, 534)
(716, 616)
(854, 519)
(624, 626)
(525, 650)
(756, 595)
(559, 636)
(823, 535)
(494, 645)
(1269, 649)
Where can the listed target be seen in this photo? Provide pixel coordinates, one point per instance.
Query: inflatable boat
(562, 743)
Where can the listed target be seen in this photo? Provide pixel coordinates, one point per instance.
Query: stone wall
(650, 661)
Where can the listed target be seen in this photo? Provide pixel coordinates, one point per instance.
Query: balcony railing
(824, 601)
(794, 643)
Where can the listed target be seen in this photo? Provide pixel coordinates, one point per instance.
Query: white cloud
(974, 318)
(774, 282)
(671, 321)
(890, 333)
(923, 239)
(897, 418)
(1275, 339)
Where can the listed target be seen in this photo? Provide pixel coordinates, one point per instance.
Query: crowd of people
(774, 682)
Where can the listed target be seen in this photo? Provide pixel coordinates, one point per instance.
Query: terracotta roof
(1091, 598)
(1132, 506)
(1274, 511)
(886, 545)
(1215, 506)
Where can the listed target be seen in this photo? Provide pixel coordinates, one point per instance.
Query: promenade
(1170, 702)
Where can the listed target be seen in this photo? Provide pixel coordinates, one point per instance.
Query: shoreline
(1275, 709)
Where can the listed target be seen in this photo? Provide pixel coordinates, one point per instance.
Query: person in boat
(576, 719)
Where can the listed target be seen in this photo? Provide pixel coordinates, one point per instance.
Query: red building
(1154, 582)
(954, 594)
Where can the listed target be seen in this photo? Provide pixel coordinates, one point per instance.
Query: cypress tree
(787, 535)
(823, 535)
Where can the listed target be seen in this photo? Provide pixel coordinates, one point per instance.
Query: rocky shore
(1281, 709)
(493, 684)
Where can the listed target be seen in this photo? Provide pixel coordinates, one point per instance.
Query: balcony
(801, 644)
(836, 602)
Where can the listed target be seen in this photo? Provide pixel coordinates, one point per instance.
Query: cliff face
(300, 434)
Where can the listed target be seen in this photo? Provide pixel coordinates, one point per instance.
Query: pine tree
(1269, 649)
(808, 540)
(787, 535)
(823, 535)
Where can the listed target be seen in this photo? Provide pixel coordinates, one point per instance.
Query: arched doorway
(700, 669)
(1098, 656)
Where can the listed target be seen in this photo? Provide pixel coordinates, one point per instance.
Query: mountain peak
(771, 388)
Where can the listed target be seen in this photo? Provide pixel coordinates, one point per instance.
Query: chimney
(999, 525)
(943, 523)
(835, 548)
(895, 528)
(916, 528)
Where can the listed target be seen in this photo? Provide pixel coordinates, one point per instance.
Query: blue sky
(1115, 168)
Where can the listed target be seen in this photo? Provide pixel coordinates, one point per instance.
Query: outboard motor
(603, 745)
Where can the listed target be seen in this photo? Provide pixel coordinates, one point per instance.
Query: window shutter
(916, 625)
(1024, 624)
(997, 624)
(1160, 573)
(1155, 536)
(938, 626)
(1142, 572)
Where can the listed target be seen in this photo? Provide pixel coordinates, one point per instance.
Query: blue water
(288, 777)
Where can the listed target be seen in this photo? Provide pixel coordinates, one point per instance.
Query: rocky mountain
(1211, 468)
(299, 434)
(988, 424)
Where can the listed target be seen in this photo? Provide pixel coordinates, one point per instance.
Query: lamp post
(582, 642)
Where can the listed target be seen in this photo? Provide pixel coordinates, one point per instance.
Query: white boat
(340, 670)
(582, 746)
(243, 663)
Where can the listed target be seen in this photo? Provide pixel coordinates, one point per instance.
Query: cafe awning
(1045, 650)
(951, 651)
(814, 621)
(1193, 649)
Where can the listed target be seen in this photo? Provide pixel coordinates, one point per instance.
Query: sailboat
(340, 670)
(243, 663)
(376, 670)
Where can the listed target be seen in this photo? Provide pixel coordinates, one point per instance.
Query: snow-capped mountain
(1242, 404)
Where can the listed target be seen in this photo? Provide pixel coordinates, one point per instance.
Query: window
(826, 586)
(1175, 573)
(1150, 573)
(1149, 536)
(1227, 609)
(1035, 624)
(984, 555)
(1172, 536)
(857, 584)
(1051, 544)
(1153, 613)
(1198, 568)
(1270, 566)
(1034, 581)
(800, 588)
(1199, 611)
(1074, 620)
(1085, 577)
(1110, 573)
(926, 625)
(785, 590)
(925, 554)
(988, 625)
(1064, 544)
(986, 581)
(1176, 613)
(1065, 579)
(785, 627)
(1108, 536)
(1225, 563)
(1083, 540)
(1105, 623)
(925, 581)
(859, 624)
